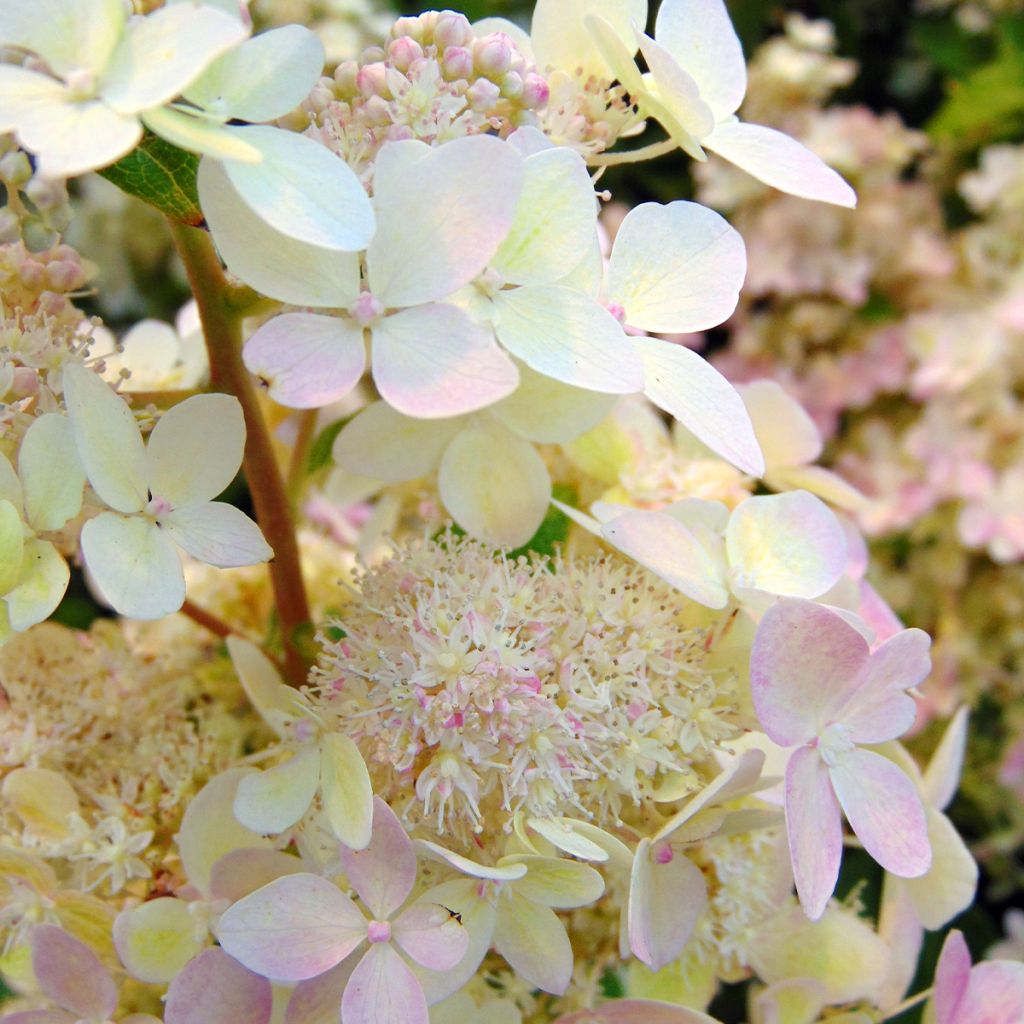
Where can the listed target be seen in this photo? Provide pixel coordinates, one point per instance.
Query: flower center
(81, 84)
(379, 931)
(834, 742)
(367, 309)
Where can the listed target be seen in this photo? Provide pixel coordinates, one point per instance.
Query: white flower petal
(23, 91)
(275, 799)
(156, 939)
(108, 440)
(676, 268)
(787, 544)
(67, 34)
(218, 534)
(303, 190)
(494, 484)
(51, 473)
(160, 54)
(533, 940)
(435, 361)
(269, 261)
(569, 336)
(555, 219)
(787, 434)
(306, 360)
(670, 550)
(779, 161)
(196, 449)
(691, 389)
(346, 790)
(41, 585)
(385, 445)
(199, 135)
(678, 104)
(72, 138)
(700, 36)
(264, 78)
(949, 885)
(12, 545)
(560, 40)
(549, 412)
(440, 221)
(134, 564)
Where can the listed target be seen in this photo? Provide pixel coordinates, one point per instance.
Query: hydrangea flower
(987, 993)
(321, 761)
(512, 904)
(299, 927)
(817, 687)
(696, 83)
(113, 76)
(159, 494)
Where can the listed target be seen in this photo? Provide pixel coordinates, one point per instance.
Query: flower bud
(320, 98)
(372, 79)
(37, 237)
(511, 86)
(493, 54)
(10, 227)
(408, 28)
(31, 274)
(403, 51)
(536, 91)
(47, 193)
(483, 95)
(345, 75)
(452, 29)
(377, 111)
(15, 168)
(25, 381)
(64, 275)
(457, 63)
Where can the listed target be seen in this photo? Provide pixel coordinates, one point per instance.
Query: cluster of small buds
(44, 281)
(587, 113)
(36, 209)
(434, 80)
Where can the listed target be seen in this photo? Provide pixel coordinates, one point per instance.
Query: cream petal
(41, 585)
(273, 800)
(533, 941)
(198, 134)
(346, 791)
(676, 268)
(156, 939)
(218, 534)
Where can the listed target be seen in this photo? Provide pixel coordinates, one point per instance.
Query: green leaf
(320, 449)
(162, 176)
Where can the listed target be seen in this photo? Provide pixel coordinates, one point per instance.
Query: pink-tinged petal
(478, 917)
(879, 710)
(209, 829)
(666, 547)
(440, 220)
(383, 990)
(787, 544)
(700, 36)
(71, 974)
(691, 389)
(306, 360)
(942, 776)
(884, 809)
(667, 895)
(294, 928)
(814, 827)
(779, 161)
(40, 1017)
(384, 872)
(901, 930)
(275, 799)
(952, 975)
(216, 989)
(218, 534)
(533, 941)
(241, 872)
(317, 1000)
(435, 361)
(995, 994)
(637, 1011)
(804, 663)
(431, 936)
(676, 268)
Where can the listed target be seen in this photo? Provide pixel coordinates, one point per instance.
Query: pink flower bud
(452, 29)
(483, 95)
(345, 78)
(371, 55)
(536, 92)
(26, 382)
(372, 79)
(409, 28)
(403, 51)
(31, 273)
(64, 275)
(377, 111)
(457, 63)
(493, 54)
